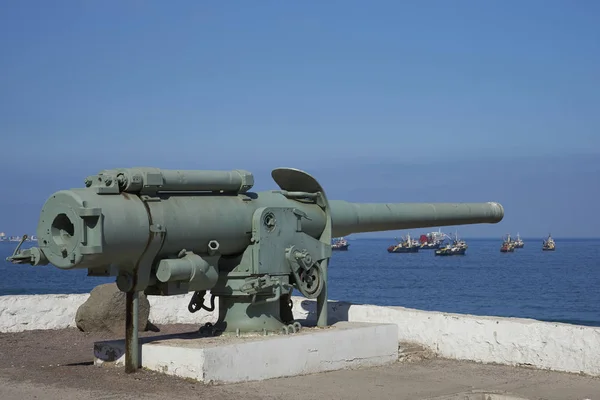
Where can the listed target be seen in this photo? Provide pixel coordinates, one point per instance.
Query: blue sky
(382, 101)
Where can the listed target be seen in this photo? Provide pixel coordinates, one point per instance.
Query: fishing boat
(405, 246)
(548, 244)
(519, 244)
(508, 246)
(450, 250)
(460, 243)
(340, 244)
(458, 247)
(431, 241)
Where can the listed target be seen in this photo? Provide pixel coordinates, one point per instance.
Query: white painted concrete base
(229, 359)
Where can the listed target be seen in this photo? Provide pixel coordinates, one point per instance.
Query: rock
(104, 311)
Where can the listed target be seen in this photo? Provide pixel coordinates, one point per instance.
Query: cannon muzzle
(348, 218)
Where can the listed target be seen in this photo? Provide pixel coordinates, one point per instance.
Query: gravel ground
(59, 365)
(64, 358)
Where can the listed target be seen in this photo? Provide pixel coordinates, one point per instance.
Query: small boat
(519, 244)
(456, 248)
(548, 244)
(340, 244)
(460, 244)
(405, 246)
(508, 246)
(450, 250)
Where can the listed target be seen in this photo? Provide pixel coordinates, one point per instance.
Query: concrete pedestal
(253, 357)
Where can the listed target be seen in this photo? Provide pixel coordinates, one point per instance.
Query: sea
(559, 286)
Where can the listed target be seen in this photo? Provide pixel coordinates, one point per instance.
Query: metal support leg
(132, 360)
(322, 317)
(237, 312)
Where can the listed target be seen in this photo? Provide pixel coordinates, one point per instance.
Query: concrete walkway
(429, 379)
(58, 364)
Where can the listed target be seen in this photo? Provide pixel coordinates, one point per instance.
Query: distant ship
(405, 246)
(548, 244)
(340, 244)
(519, 244)
(451, 250)
(431, 241)
(4, 238)
(458, 247)
(508, 246)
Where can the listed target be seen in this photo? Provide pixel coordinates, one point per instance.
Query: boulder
(104, 311)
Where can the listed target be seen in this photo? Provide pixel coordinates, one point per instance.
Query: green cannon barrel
(350, 218)
(113, 219)
(82, 229)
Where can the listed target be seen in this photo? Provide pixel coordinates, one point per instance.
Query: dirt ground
(59, 365)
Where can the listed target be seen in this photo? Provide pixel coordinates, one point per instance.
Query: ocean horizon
(558, 286)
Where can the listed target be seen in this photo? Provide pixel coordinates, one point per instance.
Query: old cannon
(168, 232)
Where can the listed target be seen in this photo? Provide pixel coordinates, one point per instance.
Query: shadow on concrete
(111, 350)
(337, 311)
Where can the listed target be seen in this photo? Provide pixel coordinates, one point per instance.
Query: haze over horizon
(398, 102)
